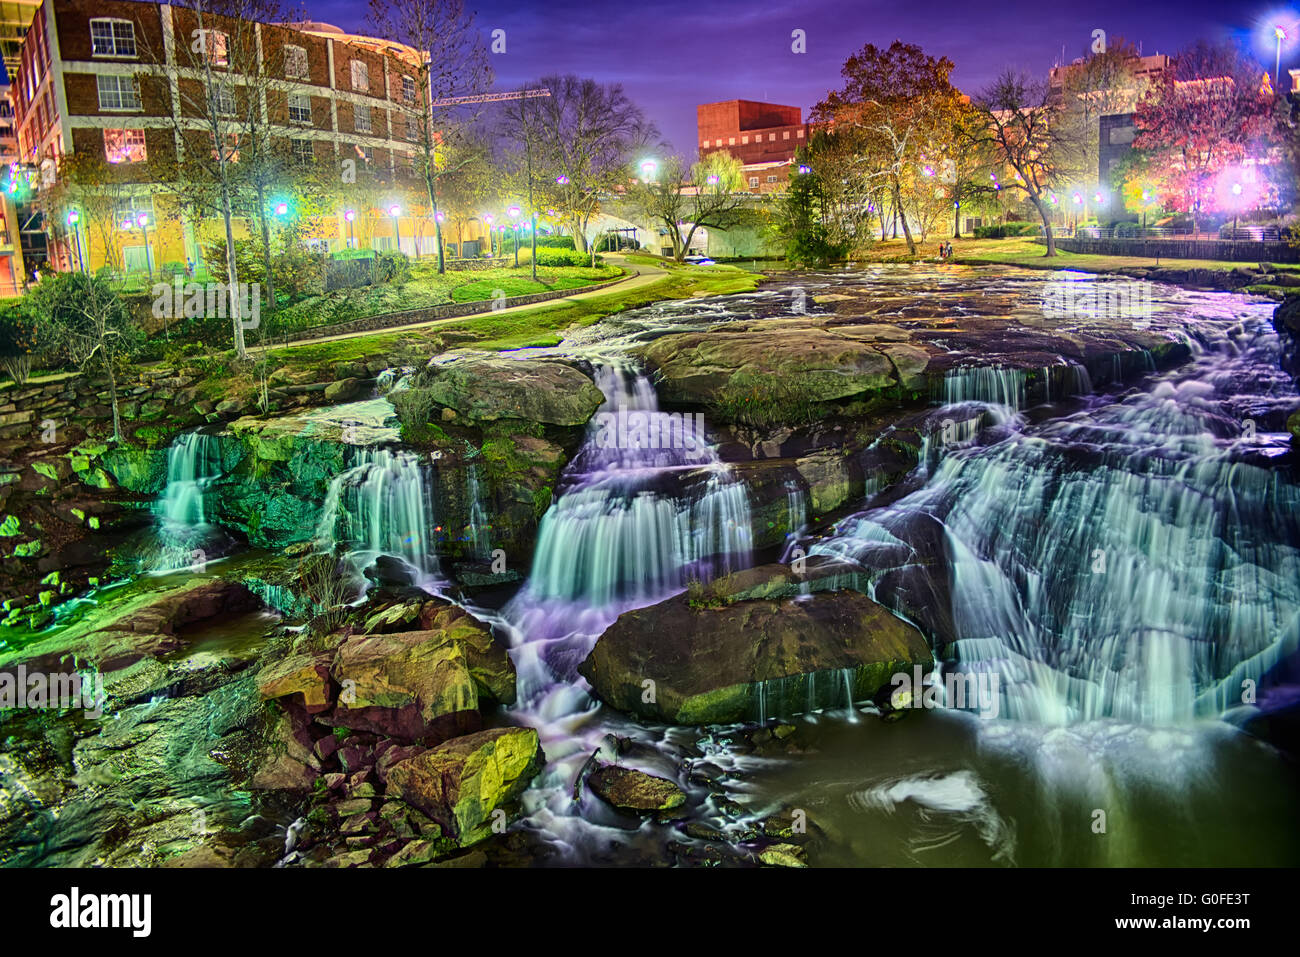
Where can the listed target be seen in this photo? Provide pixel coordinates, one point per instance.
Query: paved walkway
(639, 275)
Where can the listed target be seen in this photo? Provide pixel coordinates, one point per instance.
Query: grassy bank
(540, 325)
(1023, 251)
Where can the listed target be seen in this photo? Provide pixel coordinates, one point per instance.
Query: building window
(744, 140)
(731, 141)
(360, 76)
(118, 93)
(785, 135)
(366, 155)
(798, 134)
(361, 119)
(408, 89)
(299, 108)
(112, 37)
(129, 208)
(771, 179)
(412, 129)
(303, 154)
(295, 62)
(125, 146)
(1121, 135)
(223, 101)
(215, 45)
(771, 137)
(753, 181)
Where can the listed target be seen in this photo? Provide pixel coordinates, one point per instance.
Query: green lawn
(427, 288)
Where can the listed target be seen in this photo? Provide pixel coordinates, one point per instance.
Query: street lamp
(487, 221)
(142, 219)
(396, 211)
(282, 209)
(513, 213)
(348, 216)
(1279, 34)
(648, 169)
(74, 218)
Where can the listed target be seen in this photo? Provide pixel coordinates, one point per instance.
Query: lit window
(295, 62)
(299, 108)
(771, 179)
(785, 135)
(117, 93)
(360, 76)
(124, 146)
(361, 119)
(302, 151)
(771, 137)
(215, 45)
(112, 37)
(798, 134)
(753, 181)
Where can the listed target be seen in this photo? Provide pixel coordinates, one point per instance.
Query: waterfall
(796, 503)
(477, 532)
(1137, 560)
(186, 534)
(995, 385)
(381, 506)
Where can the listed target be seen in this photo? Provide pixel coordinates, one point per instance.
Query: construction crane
(492, 97)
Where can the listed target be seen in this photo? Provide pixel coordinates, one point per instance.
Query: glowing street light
(348, 216)
(562, 180)
(282, 209)
(142, 220)
(1279, 34)
(513, 213)
(395, 211)
(487, 221)
(648, 169)
(74, 217)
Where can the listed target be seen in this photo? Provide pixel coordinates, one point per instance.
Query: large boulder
(692, 660)
(486, 388)
(421, 685)
(462, 782)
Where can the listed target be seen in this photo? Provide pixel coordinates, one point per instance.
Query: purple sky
(673, 54)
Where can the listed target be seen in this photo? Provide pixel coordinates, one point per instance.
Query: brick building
(121, 80)
(762, 136)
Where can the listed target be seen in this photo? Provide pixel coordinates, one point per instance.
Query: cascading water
(644, 507)
(186, 534)
(381, 506)
(477, 533)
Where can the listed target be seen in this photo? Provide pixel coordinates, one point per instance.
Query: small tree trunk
(907, 230)
(1047, 227)
(241, 353)
(112, 393)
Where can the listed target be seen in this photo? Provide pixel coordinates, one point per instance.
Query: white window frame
(136, 138)
(360, 71)
(114, 40)
(296, 74)
(121, 83)
(753, 181)
(358, 111)
(408, 95)
(299, 108)
(300, 156)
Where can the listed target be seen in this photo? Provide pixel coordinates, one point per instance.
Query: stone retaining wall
(1225, 250)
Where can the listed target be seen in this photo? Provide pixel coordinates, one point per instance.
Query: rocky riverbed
(445, 622)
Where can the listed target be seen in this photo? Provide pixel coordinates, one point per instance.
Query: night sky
(673, 54)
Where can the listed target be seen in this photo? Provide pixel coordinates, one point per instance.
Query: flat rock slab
(747, 660)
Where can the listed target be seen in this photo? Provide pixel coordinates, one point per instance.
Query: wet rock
(630, 790)
(704, 665)
(784, 855)
(460, 783)
(306, 676)
(421, 685)
(486, 388)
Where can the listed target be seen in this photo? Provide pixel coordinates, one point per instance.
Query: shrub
(558, 257)
(18, 339)
(1007, 230)
(392, 267)
(415, 410)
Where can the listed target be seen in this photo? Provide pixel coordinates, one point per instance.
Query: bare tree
(448, 60)
(710, 195)
(1022, 128)
(588, 133)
